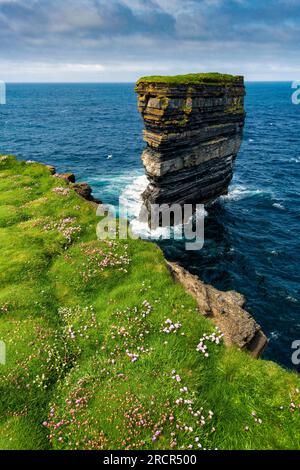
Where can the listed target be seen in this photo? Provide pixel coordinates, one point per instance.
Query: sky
(122, 40)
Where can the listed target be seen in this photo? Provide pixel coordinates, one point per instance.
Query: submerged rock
(226, 309)
(193, 130)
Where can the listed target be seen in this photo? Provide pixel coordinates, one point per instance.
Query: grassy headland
(102, 345)
(192, 79)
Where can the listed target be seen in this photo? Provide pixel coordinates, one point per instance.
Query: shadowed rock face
(193, 131)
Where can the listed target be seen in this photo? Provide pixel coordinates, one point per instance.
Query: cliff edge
(226, 309)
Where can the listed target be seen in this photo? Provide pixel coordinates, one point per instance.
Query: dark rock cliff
(193, 130)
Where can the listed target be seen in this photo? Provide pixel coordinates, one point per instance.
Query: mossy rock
(193, 79)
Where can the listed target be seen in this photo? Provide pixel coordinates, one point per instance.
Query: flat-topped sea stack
(193, 130)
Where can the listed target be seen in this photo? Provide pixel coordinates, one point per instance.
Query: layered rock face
(226, 309)
(193, 130)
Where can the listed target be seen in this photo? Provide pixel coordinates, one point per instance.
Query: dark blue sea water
(252, 235)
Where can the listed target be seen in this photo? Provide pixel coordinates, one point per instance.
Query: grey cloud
(156, 32)
(54, 20)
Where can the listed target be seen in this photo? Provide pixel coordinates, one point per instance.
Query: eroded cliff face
(193, 130)
(226, 309)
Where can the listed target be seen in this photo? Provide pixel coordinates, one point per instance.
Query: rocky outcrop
(193, 131)
(83, 189)
(226, 310)
(51, 168)
(68, 177)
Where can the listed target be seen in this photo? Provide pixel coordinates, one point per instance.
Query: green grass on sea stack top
(192, 78)
(92, 362)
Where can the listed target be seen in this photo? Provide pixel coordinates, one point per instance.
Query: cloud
(53, 20)
(176, 35)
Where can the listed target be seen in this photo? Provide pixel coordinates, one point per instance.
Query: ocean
(251, 235)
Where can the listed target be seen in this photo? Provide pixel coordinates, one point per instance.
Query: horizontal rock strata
(193, 130)
(226, 309)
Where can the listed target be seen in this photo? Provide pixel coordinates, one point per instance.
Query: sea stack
(193, 130)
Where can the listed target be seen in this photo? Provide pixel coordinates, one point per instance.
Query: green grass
(192, 79)
(88, 366)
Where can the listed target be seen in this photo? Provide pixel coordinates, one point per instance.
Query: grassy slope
(70, 308)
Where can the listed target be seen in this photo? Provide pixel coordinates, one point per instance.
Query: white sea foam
(114, 182)
(131, 197)
(142, 230)
(241, 192)
(274, 335)
(279, 206)
(292, 299)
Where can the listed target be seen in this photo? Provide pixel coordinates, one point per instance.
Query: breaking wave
(131, 197)
(242, 192)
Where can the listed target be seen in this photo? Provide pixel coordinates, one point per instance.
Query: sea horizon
(121, 82)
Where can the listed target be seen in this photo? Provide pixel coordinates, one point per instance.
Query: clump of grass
(104, 351)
